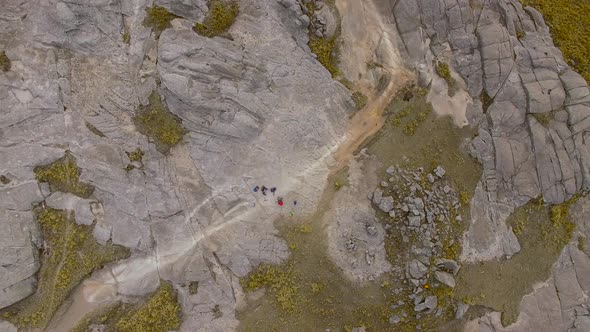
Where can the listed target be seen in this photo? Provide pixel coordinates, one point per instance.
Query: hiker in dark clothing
(264, 189)
(272, 190)
(256, 189)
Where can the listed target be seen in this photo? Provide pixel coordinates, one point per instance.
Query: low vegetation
(158, 18)
(443, 70)
(280, 281)
(64, 175)
(160, 313)
(5, 64)
(156, 122)
(544, 118)
(222, 14)
(94, 130)
(486, 101)
(569, 22)
(70, 254)
(360, 100)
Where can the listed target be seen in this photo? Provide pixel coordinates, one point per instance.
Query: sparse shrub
(222, 15)
(161, 313)
(360, 100)
(157, 123)
(158, 18)
(63, 175)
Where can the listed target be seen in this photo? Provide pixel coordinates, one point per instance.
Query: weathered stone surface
(416, 269)
(18, 256)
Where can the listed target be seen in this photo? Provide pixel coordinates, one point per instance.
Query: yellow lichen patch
(160, 313)
(157, 123)
(158, 18)
(4, 62)
(360, 100)
(569, 22)
(63, 175)
(222, 14)
(70, 253)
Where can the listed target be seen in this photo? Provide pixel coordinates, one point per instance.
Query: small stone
(447, 189)
(350, 245)
(461, 310)
(414, 221)
(430, 178)
(390, 170)
(394, 319)
(431, 302)
(377, 195)
(405, 208)
(384, 184)
(371, 229)
(420, 307)
(386, 204)
(418, 299)
(369, 257)
(448, 264)
(445, 278)
(417, 269)
(439, 171)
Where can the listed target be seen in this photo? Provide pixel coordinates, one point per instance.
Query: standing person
(264, 189)
(280, 201)
(272, 190)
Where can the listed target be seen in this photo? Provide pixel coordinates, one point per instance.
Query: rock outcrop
(534, 116)
(259, 109)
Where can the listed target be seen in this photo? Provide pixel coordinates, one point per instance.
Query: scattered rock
(448, 264)
(350, 245)
(371, 229)
(377, 195)
(445, 278)
(430, 178)
(417, 269)
(394, 319)
(461, 310)
(386, 204)
(431, 302)
(439, 171)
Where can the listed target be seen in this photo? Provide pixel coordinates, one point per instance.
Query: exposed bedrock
(535, 117)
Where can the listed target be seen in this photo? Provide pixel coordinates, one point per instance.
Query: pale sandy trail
(94, 293)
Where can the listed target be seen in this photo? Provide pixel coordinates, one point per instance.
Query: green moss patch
(5, 64)
(360, 100)
(160, 313)
(158, 18)
(222, 14)
(70, 254)
(64, 175)
(569, 22)
(156, 122)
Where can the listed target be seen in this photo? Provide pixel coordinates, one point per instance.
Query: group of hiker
(272, 190)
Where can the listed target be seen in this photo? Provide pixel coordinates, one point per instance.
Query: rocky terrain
(142, 127)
